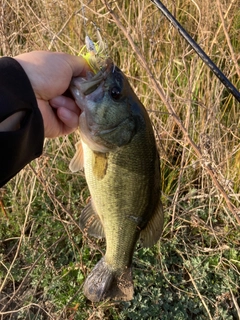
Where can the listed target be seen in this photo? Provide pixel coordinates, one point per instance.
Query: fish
(119, 156)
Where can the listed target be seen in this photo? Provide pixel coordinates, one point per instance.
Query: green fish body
(121, 165)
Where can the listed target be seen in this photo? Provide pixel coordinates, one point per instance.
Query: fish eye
(115, 93)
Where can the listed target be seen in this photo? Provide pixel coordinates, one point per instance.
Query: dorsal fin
(151, 234)
(77, 161)
(90, 222)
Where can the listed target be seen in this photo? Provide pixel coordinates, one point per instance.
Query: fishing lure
(94, 52)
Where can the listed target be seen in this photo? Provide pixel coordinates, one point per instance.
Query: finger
(79, 66)
(68, 117)
(65, 102)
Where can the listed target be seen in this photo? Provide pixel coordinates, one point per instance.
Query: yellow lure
(92, 52)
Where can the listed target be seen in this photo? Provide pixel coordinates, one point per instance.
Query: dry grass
(197, 125)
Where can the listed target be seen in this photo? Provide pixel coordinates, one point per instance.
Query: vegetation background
(194, 270)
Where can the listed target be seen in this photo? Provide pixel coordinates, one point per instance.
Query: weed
(194, 270)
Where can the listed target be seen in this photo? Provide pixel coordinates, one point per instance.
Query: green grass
(194, 270)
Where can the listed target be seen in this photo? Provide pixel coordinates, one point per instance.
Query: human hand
(50, 75)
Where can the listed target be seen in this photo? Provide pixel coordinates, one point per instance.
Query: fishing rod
(230, 87)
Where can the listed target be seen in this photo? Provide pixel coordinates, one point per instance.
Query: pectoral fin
(151, 234)
(90, 222)
(77, 163)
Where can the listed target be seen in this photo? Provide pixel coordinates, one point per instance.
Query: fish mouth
(91, 87)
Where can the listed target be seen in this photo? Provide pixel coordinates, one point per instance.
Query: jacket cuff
(25, 144)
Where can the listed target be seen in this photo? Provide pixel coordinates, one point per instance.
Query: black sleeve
(18, 147)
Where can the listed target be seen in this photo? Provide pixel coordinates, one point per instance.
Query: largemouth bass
(121, 164)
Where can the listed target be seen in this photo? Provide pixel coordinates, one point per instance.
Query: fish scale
(122, 170)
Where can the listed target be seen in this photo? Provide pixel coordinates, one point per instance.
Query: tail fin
(105, 283)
